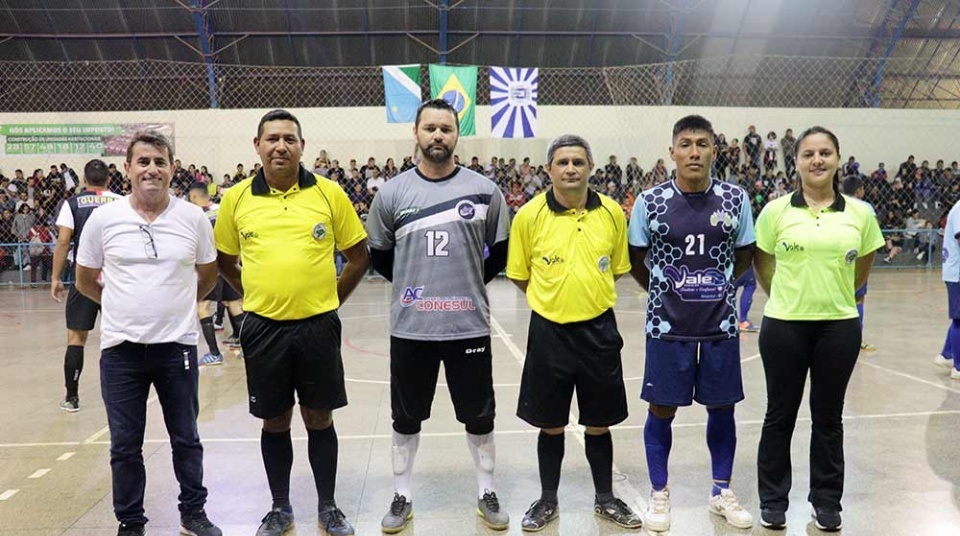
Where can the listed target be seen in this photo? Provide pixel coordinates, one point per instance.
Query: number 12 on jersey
(437, 243)
(691, 241)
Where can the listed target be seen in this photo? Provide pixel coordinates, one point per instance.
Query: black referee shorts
(415, 366)
(222, 292)
(283, 356)
(81, 311)
(562, 357)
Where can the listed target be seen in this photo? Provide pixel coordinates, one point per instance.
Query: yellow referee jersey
(569, 257)
(285, 241)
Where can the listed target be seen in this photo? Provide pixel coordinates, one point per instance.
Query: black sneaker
(131, 530)
(275, 523)
(773, 519)
(617, 511)
(335, 523)
(827, 519)
(197, 524)
(539, 515)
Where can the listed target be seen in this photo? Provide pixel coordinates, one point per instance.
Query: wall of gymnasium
(220, 139)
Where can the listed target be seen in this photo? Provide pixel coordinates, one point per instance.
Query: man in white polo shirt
(157, 255)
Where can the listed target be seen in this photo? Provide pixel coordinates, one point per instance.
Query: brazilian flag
(458, 86)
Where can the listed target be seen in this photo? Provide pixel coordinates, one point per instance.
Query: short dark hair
(820, 130)
(150, 137)
(200, 187)
(693, 122)
(95, 172)
(438, 104)
(851, 184)
(568, 140)
(278, 115)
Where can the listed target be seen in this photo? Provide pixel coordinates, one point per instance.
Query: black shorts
(562, 357)
(81, 311)
(283, 356)
(222, 292)
(415, 366)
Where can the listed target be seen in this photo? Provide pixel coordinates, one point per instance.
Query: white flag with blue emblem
(513, 102)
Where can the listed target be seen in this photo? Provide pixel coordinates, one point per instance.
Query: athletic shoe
(275, 523)
(539, 515)
(943, 361)
(334, 522)
(131, 530)
(954, 374)
(488, 508)
(826, 519)
(217, 327)
(70, 404)
(618, 512)
(401, 511)
(726, 504)
(232, 341)
(887, 260)
(867, 347)
(773, 519)
(657, 516)
(210, 359)
(749, 327)
(197, 524)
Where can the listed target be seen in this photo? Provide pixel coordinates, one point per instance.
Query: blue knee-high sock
(953, 335)
(860, 312)
(722, 442)
(746, 299)
(658, 438)
(947, 346)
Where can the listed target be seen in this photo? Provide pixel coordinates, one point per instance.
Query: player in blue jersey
(698, 234)
(951, 277)
(853, 186)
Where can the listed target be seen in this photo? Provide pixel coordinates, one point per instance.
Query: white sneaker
(657, 516)
(727, 505)
(954, 374)
(943, 361)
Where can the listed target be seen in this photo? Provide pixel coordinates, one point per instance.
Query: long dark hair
(836, 145)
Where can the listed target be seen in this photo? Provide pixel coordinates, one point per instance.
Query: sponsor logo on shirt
(408, 212)
(701, 285)
(94, 200)
(721, 218)
(247, 235)
(552, 260)
(413, 297)
(480, 350)
(466, 210)
(792, 247)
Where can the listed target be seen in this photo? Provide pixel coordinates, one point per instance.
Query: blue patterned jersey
(691, 240)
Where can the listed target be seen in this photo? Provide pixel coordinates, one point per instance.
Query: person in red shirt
(515, 198)
(41, 257)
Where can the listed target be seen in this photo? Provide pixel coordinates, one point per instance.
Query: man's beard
(428, 155)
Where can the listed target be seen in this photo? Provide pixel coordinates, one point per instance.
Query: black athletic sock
(599, 450)
(206, 326)
(72, 367)
(277, 452)
(550, 456)
(218, 317)
(323, 447)
(235, 322)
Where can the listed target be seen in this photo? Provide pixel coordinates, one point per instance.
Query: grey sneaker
(334, 522)
(71, 404)
(275, 523)
(210, 359)
(488, 508)
(401, 511)
(197, 524)
(618, 512)
(539, 515)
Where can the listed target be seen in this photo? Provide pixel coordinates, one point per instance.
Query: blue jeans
(126, 372)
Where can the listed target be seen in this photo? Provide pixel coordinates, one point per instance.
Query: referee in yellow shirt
(567, 248)
(283, 224)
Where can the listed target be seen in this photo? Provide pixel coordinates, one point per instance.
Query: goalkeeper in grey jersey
(428, 231)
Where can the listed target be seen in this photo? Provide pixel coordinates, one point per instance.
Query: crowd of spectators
(913, 198)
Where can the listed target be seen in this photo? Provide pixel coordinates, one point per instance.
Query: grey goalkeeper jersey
(439, 230)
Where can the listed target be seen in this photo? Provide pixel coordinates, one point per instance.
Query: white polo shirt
(150, 268)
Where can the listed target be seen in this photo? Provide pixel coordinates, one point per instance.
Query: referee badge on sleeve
(604, 263)
(319, 231)
(851, 256)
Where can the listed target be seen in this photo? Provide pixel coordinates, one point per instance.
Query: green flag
(458, 86)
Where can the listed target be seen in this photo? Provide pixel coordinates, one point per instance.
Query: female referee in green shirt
(814, 248)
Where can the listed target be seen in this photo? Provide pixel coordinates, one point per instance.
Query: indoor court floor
(902, 433)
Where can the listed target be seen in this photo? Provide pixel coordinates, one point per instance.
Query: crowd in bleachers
(913, 198)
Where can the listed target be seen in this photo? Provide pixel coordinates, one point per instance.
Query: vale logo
(552, 260)
(788, 247)
(699, 285)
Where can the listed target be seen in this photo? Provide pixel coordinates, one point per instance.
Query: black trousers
(828, 350)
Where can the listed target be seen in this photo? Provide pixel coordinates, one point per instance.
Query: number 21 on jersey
(437, 243)
(693, 243)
